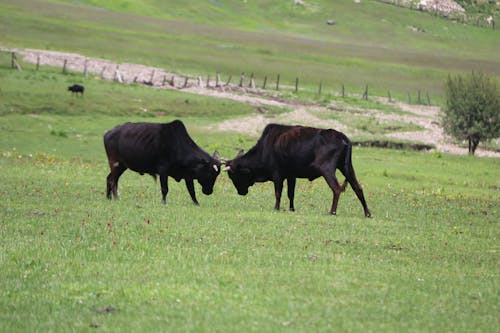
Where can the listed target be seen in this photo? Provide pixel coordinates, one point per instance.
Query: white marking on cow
(116, 164)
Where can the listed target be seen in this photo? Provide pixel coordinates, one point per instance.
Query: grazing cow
(291, 152)
(76, 88)
(159, 149)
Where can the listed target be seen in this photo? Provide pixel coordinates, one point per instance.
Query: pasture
(382, 46)
(73, 261)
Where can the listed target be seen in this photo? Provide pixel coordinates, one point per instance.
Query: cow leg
(164, 188)
(278, 188)
(190, 187)
(109, 186)
(112, 180)
(351, 178)
(291, 191)
(336, 189)
(359, 193)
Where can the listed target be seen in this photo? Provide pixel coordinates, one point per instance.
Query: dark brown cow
(166, 150)
(291, 152)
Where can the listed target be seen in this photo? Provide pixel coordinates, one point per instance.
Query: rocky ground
(442, 7)
(423, 116)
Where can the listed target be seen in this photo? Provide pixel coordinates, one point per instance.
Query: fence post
(102, 73)
(343, 91)
(217, 80)
(296, 85)
(278, 82)
(172, 81)
(365, 95)
(37, 62)
(229, 79)
(85, 69)
(15, 63)
(186, 82)
(242, 77)
(64, 66)
(265, 81)
(389, 95)
(428, 99)
(251, 81)
(208, 81)
(418, 99)
(118, 76)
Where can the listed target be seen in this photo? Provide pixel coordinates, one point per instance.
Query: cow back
(145, 147)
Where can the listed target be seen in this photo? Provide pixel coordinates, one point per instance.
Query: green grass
(427, 260)
(372, 43)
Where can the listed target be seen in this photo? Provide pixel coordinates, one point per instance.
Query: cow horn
(216, 168)
(226, 169)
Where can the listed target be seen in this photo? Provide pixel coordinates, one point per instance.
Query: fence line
(118, 76)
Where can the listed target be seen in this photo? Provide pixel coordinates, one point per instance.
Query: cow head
(207, 173)
(240, 174)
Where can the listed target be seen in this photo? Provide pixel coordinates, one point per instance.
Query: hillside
(385, 47)
(73, 261)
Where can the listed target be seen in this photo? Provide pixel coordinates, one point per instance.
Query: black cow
(159, 149)
(76, 88)
(291, 152)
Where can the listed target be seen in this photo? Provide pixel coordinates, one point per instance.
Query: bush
(472, 110)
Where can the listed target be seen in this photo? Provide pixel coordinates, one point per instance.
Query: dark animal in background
(291, 152)
(166, 150)
(76, 88)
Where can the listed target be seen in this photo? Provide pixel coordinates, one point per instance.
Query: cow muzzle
(207, 191)
(243, 191)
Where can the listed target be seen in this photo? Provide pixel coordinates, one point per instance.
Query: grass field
(73, 261)
(427, 261)
(386, 47)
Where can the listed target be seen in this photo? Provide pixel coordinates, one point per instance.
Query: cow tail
(349, 172)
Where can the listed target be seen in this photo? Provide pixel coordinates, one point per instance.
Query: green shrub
(472, 110)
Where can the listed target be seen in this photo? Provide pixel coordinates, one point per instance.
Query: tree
(472, 110)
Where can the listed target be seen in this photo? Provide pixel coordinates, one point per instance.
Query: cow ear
(240, 153)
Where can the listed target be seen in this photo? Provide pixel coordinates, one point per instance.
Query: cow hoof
(368, 215)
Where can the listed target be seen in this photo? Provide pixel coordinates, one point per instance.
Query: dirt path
(424, 116)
